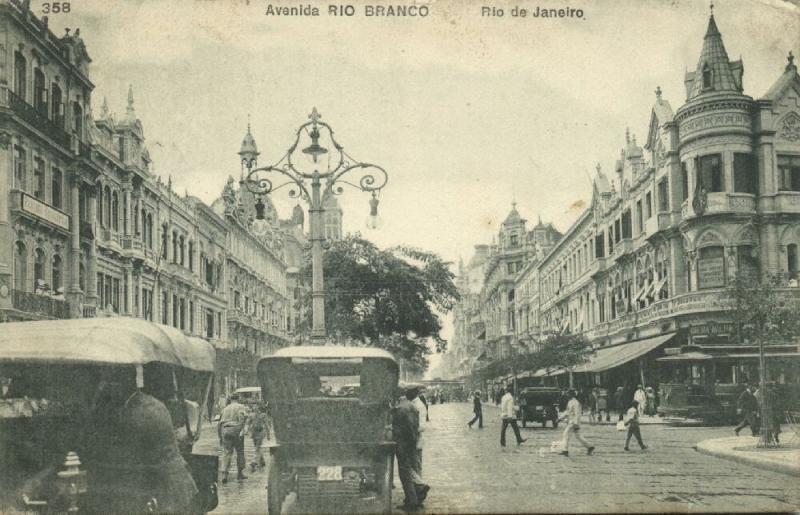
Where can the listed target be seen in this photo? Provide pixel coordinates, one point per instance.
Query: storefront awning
(688, 356)
(549, 373)
(612, 357)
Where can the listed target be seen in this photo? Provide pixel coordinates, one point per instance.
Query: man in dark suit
(477, 408)
(405, 431)
(748, 406)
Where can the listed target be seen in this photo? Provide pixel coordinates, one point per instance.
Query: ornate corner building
(643, 272)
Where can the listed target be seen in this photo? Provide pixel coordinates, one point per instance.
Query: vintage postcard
(370, 256)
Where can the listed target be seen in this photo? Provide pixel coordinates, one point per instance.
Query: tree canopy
(555, 351)
(392, 298)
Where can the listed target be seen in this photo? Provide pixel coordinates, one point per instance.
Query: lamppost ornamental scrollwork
(315, 183)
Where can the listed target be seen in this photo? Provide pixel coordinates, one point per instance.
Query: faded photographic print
(424, 256)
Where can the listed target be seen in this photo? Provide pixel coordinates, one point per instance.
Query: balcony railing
(40, 304)
(32, 116)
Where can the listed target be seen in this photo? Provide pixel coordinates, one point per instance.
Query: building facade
(714, 192)
(89, 230)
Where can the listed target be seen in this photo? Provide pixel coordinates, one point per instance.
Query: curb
(778, 463)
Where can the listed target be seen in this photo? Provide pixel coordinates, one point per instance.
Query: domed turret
(249, 151)
(298, 215)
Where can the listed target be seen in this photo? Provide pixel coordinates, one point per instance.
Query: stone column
(677, 267)
(169, 306)
(6, 251)
(128, 221)
(74, 293)
(770, 252)
(91, 268)
(129, 293)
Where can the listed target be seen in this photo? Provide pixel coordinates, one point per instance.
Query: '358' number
(55, 7)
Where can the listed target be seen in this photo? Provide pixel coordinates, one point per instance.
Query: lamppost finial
(314, 116)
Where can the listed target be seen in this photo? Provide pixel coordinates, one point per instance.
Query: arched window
(77, 119)
(39, 90)
(174, 246)
(164, 241)
(38, 271)
(115, 211)
(82, 276)
(149, 230)
(708, 77)
(56, 180)
(100, 210)
(56, 105)
(711, 267)
(791, 260)
(20, 267)
(191, 256)
(107, 207)
(181, 248)
(56, 272)
(20, 75)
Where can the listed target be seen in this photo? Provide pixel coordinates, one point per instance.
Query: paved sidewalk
(743, 449)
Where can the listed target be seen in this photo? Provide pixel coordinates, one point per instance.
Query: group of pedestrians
(748, 406)
(236, 421)
(571, 413)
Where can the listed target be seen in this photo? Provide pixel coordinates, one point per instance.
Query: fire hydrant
(71, 481)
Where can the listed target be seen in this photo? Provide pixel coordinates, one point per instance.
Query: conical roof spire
(715, 72)
(130, 114)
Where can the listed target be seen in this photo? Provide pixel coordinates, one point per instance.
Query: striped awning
(607, 358)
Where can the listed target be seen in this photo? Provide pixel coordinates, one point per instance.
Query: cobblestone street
(469, 472)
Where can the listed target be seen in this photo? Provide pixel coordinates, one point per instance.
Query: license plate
(329, 473)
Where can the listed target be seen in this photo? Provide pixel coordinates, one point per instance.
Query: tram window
(724, 374)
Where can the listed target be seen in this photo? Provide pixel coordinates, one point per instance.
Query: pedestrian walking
(632, 423)
(259, 429)
(231, 430)
(602, 405)
(593, 405)
(420, 405)
(424, 401)
(477, 409)
(640, 396)
(651, 400)
(747, 407)
(508, 416)
(405, 431)
(619, 401)
(572, 415)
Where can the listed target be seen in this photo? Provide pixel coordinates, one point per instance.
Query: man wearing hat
(477, 408)
(405, 430)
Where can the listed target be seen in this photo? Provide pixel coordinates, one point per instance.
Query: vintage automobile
(250, 396)
(538, 404)
(52, 373)
(331, 409)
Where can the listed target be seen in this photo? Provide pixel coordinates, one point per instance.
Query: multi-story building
(47, 175)
(711, 195)
(495, 316)
(90, 230)
(714, 192)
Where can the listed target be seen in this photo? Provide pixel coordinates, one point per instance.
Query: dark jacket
(405, 425)
(133, 456)
(476, 404)
(747, 402)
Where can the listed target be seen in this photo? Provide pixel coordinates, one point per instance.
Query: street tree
(555, 351)
(765, 313)
(392, 298)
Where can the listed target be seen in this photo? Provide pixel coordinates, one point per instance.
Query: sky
(467, 113)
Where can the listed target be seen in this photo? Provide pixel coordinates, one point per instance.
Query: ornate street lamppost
(326, 172)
